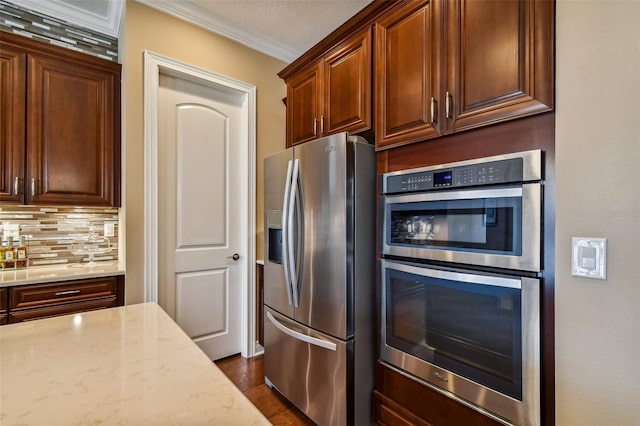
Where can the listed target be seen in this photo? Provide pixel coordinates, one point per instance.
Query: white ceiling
(284, 29)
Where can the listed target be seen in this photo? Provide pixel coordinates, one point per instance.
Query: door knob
(235, 256)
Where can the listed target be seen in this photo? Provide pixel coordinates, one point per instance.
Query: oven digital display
(443, 178)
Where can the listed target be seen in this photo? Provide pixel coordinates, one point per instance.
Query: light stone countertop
(49, 274)
(128, 365)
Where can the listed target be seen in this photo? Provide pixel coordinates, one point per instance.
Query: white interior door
(199, 225)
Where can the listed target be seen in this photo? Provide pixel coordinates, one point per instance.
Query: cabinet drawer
(42, 295)
(388, 412)
(69, 308)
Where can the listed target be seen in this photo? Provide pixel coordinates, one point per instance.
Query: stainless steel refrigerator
(319, 278)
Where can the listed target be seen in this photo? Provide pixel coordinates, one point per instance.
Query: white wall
(598, 195)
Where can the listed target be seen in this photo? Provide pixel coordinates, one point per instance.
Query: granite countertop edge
(56, 273)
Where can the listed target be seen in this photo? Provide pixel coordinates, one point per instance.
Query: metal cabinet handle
(433, 110)
(16, 185)
(447, 105)
(64, 293)
(33, 187)
(322, 125)
(315, 127)
(235, 256)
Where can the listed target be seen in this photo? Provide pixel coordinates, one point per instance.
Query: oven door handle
(468, 194)
(492, 280)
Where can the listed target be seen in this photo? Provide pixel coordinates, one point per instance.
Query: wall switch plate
(109, 229)
(589, 258)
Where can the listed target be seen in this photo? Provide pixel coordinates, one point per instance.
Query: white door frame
(154, 64)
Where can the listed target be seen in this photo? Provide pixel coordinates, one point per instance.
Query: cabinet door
(407, 73)
(303, 106)
(3, 305)
(347, 86)
(13, 64)
(71, 142)
(499, 60)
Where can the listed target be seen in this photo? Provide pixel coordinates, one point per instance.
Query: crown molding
(106, 24)
(205, 19)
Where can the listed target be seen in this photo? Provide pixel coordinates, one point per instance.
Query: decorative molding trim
(58, 32)
(204, 19)
(106, 24)
(154, 64)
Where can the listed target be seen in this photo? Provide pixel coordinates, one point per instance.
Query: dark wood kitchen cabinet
(499, 59)
(35, 301)
(448, 66)
(13, 65)
(407, 74)
(4, 303)
(332, 95)
(61, 144)
(303, 106)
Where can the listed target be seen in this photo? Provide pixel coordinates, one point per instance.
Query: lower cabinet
(400, 400)
(35, 301)
(3, 305)
(390, 413)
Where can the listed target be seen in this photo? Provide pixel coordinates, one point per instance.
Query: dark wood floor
(248, 376)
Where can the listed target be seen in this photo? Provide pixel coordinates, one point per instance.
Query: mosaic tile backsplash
(51, 231)
(48, 29)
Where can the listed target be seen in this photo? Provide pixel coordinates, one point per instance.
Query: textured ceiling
(280, 28)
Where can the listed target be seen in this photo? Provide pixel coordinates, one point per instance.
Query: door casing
(154, 65)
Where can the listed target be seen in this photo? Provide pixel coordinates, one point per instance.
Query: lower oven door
(471, 335)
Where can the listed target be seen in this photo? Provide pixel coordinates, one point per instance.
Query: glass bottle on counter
(9, 255)
(20, 249)
(3, 248)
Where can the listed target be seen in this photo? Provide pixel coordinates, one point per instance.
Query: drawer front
(388, 413)
(53, 311)
(41, 295)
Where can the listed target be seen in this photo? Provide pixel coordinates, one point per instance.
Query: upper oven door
(497, 227)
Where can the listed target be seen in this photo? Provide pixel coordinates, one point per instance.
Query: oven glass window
(487, 225)
(470, 329)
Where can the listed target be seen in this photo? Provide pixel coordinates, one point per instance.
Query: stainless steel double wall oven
(460, 281)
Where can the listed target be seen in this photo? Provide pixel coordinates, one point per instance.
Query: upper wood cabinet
(304, 106)
(333, 94)
(13, 65)
(446, 66)
(69, 128)
(407, 73)
(499, 59)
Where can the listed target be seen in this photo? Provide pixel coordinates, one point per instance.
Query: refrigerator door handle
(285, 231)
(293, 273)
(302, 337)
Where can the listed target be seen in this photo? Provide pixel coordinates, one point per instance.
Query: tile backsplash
(48, 29)
(51, 231)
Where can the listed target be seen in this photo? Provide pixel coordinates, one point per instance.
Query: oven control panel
(509, 170)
